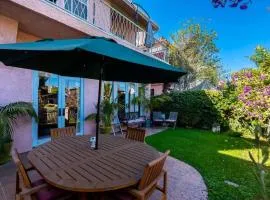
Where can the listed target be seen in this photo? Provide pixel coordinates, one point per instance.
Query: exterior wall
(8, 30)
(158, 88)
(15, 85)
(102, 15)
(90, 102)
(25, 37)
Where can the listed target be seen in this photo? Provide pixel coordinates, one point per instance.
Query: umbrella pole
(98, 106)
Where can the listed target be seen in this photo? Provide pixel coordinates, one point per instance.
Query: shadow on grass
(218, 158)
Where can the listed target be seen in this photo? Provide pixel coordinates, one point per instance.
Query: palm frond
(10, 113)
(17, 109)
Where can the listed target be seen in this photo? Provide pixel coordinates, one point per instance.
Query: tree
(242, 4)
(194, 49)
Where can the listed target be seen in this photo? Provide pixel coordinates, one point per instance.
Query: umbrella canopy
(95, 58)
(84, 58)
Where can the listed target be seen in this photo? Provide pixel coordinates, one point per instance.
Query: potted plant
(8, 116)
(143, 102)
(107, 110)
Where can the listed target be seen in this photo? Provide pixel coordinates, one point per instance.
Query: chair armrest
(136, 193)
(27, 192)
(30, 168)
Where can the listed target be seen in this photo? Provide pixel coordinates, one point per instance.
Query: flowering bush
(253, 90)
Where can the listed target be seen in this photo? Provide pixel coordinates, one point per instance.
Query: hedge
(198, 109)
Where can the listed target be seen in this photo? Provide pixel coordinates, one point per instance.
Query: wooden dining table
(70, 163)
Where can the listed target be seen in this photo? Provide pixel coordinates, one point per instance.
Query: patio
(184, 182)
(112, 163)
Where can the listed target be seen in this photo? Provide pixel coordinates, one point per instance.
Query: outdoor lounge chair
(134, 120)
(116, 126)
(62, 132)
(158, 118)
(27, 189)
(136, 134)
(172, 119)
(153, 172)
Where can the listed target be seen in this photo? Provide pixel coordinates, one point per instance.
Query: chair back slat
(62, 132)
(173, 116)
(116, 125)
(21, 169)
(136, 134)
(152, 171)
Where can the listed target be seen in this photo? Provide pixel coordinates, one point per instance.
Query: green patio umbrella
(94, 58)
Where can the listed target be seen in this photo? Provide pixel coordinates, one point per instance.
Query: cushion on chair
(158, 120)
(170, 120)
(49, 193)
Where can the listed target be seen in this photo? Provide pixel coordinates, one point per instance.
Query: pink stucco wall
(15, 85)
(90, 102)
(158, 88)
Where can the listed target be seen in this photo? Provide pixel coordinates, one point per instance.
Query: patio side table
(70, 164)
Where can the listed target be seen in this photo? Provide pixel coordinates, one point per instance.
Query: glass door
(58, 103)
(48, 103)
(71, 103)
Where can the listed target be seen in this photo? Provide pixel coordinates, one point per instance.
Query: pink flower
(247, 89)
(248, 74)
(266, 91)
(262, 77)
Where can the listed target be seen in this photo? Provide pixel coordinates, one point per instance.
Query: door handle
(61, 112)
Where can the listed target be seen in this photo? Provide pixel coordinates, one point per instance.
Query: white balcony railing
(102, 15)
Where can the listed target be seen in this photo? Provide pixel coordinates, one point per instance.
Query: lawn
(217, 157)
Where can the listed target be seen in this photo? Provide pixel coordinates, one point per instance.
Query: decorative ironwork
(102, 15)
(77, 7)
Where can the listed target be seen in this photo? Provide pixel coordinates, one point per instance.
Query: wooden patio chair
(158, 118)
(57, 133)
(137, 134)
(26, 189)
(172, 119)
(153, 172)
(116, 126)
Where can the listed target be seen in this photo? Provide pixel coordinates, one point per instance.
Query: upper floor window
(77, 7)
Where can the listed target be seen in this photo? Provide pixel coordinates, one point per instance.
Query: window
(152, 92)
(77, 7)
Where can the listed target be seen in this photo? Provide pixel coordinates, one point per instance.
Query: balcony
(104, 16)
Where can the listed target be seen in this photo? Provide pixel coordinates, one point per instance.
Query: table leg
(83, 196)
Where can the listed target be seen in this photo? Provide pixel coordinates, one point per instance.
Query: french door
(58, 102)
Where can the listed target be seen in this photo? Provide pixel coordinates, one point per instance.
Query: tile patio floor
(184, 182)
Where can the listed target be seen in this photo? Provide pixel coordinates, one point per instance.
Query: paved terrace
(184, 182)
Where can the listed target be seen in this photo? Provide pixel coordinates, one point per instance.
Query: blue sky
(239, 32)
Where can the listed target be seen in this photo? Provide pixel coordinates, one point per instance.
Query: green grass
(217, 157)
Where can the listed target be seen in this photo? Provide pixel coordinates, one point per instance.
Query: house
(160, 49)
(65, 101)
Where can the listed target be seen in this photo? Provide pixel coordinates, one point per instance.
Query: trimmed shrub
(198, 109)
